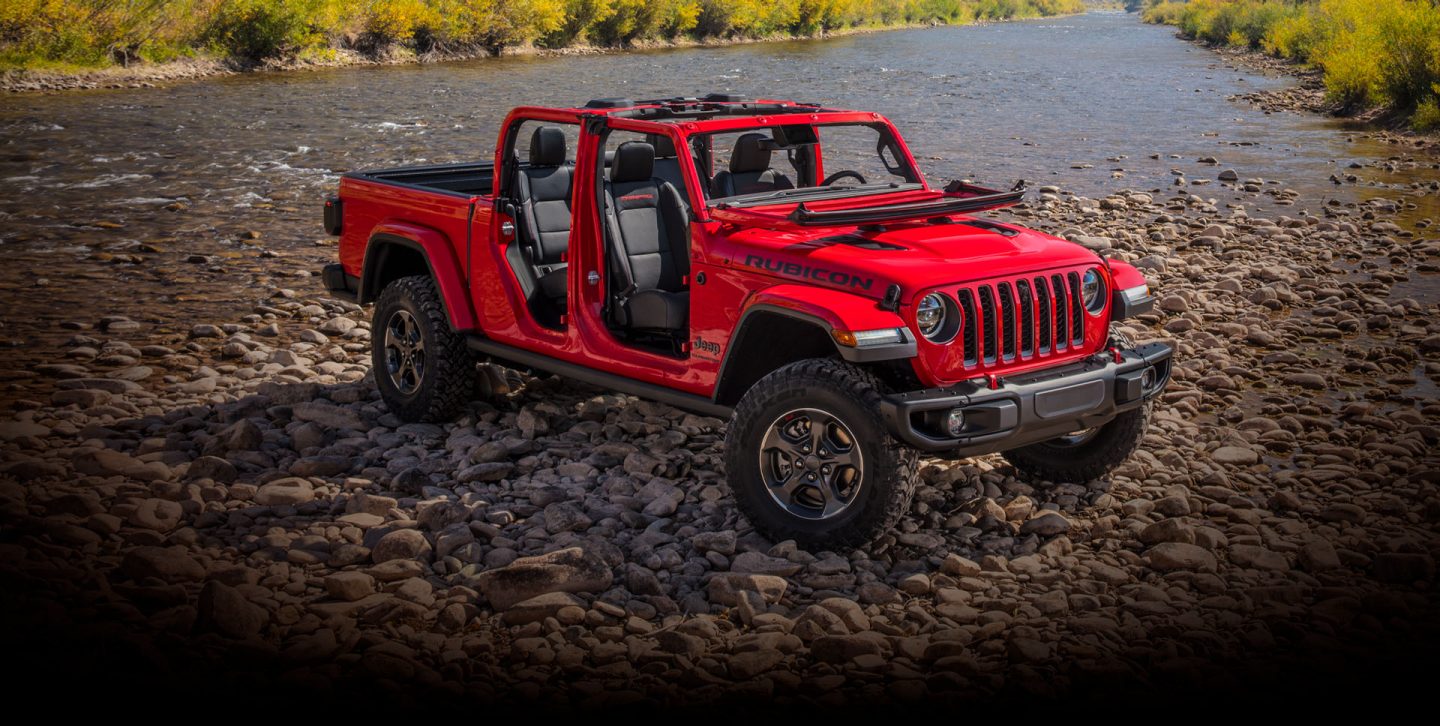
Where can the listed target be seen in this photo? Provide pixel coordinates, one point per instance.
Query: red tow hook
(993, 381)
(1119, 356)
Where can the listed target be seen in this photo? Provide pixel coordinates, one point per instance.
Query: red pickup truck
(782, 265)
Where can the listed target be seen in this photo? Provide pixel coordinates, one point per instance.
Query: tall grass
(1373, 53)
(90, 33)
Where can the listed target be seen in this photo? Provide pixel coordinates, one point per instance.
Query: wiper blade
(826, 192)
(761, 196)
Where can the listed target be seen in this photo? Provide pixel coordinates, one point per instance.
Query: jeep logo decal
(806, 272)
(700, 344)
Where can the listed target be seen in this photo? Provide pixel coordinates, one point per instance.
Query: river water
(181, 204)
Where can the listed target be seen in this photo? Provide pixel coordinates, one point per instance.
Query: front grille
(1007, 321)
(1042, 296)
(987, 313)
(967, 332)
(1027, 322)
(1020, 319)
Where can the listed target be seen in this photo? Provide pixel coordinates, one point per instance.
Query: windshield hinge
(891, 301)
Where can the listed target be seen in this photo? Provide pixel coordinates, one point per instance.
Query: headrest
(664, 146)
(547, 146)
(750, 153)
(634, 161)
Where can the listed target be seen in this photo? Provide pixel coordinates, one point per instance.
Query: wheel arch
(402, 250)
(807, 325)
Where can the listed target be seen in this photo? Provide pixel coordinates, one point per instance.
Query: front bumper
(1029, 408)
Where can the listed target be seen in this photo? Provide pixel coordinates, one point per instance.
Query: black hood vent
(855, 240)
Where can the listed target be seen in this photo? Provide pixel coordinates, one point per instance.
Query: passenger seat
(544, 196)
(649, 229)
(750, 170)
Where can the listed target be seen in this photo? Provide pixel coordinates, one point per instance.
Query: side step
(520, 358)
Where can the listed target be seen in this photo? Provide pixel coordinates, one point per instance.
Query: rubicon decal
(795, 269)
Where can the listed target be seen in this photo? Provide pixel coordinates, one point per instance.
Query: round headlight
(1092, 289)
(930, 315)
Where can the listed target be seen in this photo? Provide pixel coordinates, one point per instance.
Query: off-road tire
(850, 395)
(1110, 446)
(447, 382)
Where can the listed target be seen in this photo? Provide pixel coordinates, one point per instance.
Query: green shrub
(1427, 113)
(1409, 40)
(261, 29)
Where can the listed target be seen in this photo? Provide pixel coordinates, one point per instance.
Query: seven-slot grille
(1020, 319)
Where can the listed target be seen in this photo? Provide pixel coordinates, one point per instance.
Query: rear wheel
(423, 369)
(809, 459)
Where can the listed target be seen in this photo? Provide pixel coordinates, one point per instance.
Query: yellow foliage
(99, 32)
(392, 20)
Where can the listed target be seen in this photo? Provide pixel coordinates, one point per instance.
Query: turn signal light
(868, 338)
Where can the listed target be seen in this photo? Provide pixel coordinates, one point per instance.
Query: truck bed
(467, 179)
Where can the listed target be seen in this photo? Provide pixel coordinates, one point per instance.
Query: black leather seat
(650, 243)
(750, 170)
(667, 163)
(544, 195)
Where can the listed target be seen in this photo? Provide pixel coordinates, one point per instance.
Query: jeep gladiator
(782, 265)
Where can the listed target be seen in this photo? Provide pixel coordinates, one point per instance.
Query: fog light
(1147, 380)
(955, 421)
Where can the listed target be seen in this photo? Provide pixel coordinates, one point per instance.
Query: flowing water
(178, 204)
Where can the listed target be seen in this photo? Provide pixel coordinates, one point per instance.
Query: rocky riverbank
(1308, 95)
(233, 508)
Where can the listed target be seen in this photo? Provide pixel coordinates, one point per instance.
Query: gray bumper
(1029, 408)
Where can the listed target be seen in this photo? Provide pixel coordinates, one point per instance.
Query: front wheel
(1085, 455)
(1089, 454)
(809, 459)
(423, 369)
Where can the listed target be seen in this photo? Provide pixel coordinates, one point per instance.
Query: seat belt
(530, 235)
(612, 223)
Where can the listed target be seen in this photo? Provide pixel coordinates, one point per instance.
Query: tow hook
(1119, 356)
(993, 381)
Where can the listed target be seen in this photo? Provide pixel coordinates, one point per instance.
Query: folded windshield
(753, 166)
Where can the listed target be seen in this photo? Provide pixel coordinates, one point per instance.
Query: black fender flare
(426, 243)
(738, 342)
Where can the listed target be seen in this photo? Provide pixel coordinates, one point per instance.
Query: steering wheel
(841, 175)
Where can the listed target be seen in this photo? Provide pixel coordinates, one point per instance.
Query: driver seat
(544, 194)
(649, 230)
(750, 170)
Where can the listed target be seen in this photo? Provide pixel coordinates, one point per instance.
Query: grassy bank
(79, 35)
(1374, 54)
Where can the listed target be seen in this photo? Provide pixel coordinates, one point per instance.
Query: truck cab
(785, 266)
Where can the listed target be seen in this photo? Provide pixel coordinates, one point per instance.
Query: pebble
(401, 544)
(287, 491)
(568, 570)
(1236, 455)
(349, 586)
(1179, 556)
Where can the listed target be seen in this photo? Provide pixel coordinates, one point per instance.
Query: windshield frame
(887, 136)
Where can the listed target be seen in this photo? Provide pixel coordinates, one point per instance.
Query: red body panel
(746, 257)
(1125, 275)
(436, 222)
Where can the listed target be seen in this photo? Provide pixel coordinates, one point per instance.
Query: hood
(917, 256)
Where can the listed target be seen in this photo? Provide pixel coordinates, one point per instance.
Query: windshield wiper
(821, 192)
